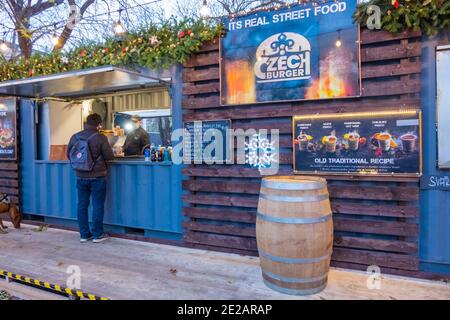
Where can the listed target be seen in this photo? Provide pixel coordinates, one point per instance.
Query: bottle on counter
(166, 154)
(170, 152)
(160, 154)
(147, 155)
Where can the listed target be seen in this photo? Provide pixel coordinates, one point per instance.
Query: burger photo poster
(301, 52)
(8, 136)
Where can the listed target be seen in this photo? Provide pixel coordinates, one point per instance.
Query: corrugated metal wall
(140, 195)
(49, 189)
(150, 99)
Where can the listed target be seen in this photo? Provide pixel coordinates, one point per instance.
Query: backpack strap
(92, 135)
(78, 136)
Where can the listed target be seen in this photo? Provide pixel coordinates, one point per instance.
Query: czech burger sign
(301, 52)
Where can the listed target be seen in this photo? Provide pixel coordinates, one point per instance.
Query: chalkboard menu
(8, 135)
(207, 141)
(384, 143)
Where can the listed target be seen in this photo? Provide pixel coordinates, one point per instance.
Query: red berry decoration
(181, 34)
(395, 3)
(83, 53)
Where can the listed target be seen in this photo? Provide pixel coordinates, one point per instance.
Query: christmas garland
(156, 47)
(429, 16)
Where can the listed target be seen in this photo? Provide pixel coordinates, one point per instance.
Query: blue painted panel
(140, 195)
(434, 245)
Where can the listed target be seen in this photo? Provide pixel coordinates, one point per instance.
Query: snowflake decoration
(65, 60)
(260, 152)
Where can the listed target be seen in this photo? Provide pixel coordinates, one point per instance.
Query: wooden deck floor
(124, 269)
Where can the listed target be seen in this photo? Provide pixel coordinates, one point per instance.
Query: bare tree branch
(70, 24)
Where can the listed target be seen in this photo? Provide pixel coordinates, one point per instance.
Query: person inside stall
(137, 139)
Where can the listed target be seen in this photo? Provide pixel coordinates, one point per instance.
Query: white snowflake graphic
(260, 152)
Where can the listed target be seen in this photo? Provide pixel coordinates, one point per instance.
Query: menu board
(386, 143)
(207, 141)
(8, 135)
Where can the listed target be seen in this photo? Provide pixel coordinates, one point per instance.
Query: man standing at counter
(88, 151)
(137, 139)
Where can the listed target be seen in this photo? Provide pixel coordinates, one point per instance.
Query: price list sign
(207, 141)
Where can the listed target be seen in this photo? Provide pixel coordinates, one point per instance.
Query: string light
(205, 12)
(54, 38)
(4, 45)
(338, 40)
(118, 27)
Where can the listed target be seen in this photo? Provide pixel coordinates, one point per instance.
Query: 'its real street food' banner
(8, 149)
(303, 52)
(386, 143)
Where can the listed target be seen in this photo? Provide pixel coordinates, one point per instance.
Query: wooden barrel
(294, 232)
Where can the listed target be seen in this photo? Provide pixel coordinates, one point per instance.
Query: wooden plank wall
(9, 172)
(375, 218)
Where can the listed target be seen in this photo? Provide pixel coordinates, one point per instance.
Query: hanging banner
(385, 143)
(300, 52)
(8, 135)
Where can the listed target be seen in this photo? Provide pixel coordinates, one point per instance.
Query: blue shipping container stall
(143, 198)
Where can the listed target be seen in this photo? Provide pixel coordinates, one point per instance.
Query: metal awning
(80, 83)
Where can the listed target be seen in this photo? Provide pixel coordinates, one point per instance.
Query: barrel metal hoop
(295, 280)
(296, 292)
(272, 257)
(274, 184)
(317, 198)
(293, 220)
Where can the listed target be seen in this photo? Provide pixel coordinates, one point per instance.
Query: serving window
(443, 105)
(57, 121)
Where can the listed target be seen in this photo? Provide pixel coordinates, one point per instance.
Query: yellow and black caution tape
(53, 287)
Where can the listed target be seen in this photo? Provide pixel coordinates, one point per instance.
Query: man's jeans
(97, 188)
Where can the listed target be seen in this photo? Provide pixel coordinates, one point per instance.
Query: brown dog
(9, 209)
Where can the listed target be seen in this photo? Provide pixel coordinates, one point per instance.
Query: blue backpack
(80, 154)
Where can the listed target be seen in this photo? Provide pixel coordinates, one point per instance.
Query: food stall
(144, 197)
(352, 105)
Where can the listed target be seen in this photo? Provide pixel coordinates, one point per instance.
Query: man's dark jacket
(100, 149)
(135, 142)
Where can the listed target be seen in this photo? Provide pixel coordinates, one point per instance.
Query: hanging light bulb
(338, 40)
(54, 39)
(118, 27)
(205, 12)
(4, 47)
